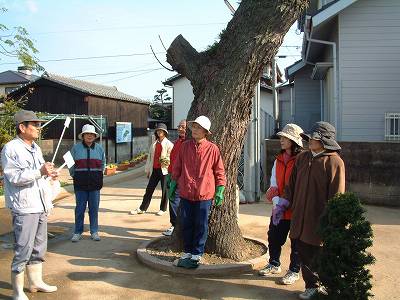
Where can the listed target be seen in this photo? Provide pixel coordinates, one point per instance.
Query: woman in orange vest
(291, 145)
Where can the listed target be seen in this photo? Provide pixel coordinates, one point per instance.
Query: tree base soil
(163, 249)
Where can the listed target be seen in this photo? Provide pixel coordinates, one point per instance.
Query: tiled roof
(92, 88)
(8, 77)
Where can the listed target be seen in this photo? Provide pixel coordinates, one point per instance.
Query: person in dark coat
(318, 175)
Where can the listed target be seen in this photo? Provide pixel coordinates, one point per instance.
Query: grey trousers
(30, 236)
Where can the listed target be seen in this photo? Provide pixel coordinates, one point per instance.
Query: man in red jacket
(174, 203)
(199, 172)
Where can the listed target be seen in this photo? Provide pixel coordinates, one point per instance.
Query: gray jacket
(24, 187)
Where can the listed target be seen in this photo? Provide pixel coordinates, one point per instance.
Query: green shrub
(346, 235)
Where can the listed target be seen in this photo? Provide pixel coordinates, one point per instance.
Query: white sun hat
(204, 122)
(292, 132)
(88, 129)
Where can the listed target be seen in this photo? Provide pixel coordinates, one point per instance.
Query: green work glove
(168, 180)
(172, 190)
(219, 195)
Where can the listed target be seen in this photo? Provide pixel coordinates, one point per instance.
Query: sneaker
(169, 231)
(308, 293)
(137, 211)
(269, 269)
(76, 237)
(95, 237)
(160, 213)
(290, 277)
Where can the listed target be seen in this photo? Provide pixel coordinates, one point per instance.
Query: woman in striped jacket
(88, 180)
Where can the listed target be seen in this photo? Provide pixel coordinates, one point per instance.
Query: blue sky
(80, 29)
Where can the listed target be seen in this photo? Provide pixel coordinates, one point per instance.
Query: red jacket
(198, 169)
(283, 173)
(174, 153)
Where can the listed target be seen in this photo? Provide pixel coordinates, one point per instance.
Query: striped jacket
(89, 167)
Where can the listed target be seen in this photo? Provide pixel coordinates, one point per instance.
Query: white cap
(204, 122)
(88, 129)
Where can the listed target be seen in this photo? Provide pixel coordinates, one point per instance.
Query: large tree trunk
(223, 80)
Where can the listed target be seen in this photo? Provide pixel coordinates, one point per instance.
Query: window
(392, 126)
(10, 89)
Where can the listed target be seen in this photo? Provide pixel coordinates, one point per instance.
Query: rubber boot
(17, 281)
(35, 279)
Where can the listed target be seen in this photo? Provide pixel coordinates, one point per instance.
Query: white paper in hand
(69, 160)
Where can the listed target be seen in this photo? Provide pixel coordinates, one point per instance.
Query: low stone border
(225, 269)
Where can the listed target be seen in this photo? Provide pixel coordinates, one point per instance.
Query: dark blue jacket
(89, 167)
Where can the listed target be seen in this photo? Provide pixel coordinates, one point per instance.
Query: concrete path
(109, 269)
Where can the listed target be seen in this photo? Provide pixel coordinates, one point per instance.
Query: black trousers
(155, 178)
(277, 235)
(308, 254)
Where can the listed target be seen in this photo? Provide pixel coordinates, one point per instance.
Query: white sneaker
(137, 211)
(269, 269)
(290, 277)
(169, 231)
(76, 237)
(95, 237)
(160, 213)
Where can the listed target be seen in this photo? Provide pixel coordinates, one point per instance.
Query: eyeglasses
(34, 124)
(182, 126)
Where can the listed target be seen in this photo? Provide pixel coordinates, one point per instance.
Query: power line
(88, 57)
(132, 76)
(113, 73)
(129, 27)
(108, 56)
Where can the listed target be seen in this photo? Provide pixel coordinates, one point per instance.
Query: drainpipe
(310, 40)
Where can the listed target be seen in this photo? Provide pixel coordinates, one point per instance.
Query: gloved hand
(271, 193)
(219, 195)
(172, 189)
(277, 212)
(168, 180)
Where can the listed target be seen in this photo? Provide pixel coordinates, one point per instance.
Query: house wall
(285, 115)
(307, 104)
(3, 88)
(369, 50)
(183, 97)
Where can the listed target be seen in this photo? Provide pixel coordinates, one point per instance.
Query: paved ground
(110, 270)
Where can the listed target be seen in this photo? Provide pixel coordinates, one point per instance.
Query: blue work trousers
(92, 200)
(194, 216)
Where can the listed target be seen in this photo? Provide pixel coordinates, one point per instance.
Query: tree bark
(223, 80)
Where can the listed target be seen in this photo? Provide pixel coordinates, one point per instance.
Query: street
(109, 269)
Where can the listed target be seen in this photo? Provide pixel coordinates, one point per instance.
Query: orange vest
(282, 173)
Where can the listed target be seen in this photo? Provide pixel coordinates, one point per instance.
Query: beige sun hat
(203, 121)
(292, 132)
(88, 129)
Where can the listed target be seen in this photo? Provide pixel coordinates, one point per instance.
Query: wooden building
(57, 94)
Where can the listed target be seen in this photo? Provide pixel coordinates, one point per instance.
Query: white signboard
(123, 132)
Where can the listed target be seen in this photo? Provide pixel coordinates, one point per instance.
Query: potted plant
(110, 169)
(132, 162)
